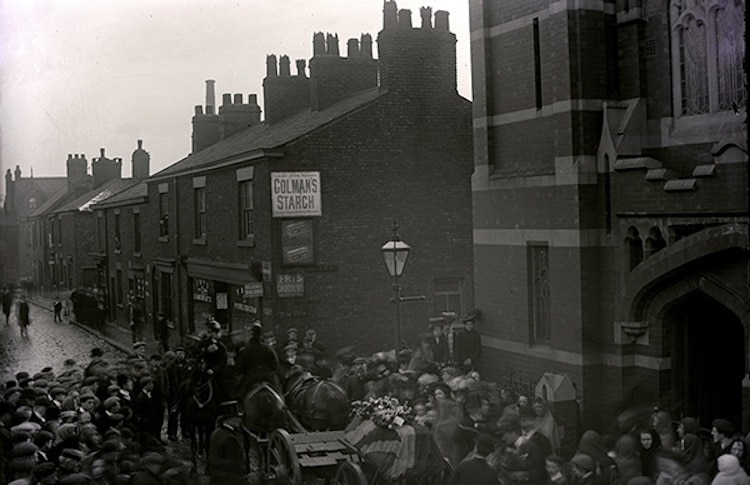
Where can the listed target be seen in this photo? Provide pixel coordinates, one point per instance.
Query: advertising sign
(202, 290)
(297, 242)
(295, 194)
(244, 299)
(290, 285)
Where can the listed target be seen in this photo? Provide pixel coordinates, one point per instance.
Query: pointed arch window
(708, 48)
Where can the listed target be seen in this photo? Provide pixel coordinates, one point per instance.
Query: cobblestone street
(48, 344)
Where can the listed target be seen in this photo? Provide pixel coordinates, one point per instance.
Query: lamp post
(395, 253)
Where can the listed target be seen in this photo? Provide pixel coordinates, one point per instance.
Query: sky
(80, 75)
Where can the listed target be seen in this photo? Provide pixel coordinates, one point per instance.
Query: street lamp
(395, 253)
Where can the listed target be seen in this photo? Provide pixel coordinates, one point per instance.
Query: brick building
(23, 196)
(282, 220)
(610, 200)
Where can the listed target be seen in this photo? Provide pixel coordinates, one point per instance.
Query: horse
(201, 408)
(320, 404)
(264, 410)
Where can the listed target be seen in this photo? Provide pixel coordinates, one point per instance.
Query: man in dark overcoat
(7, 304)
(469, 347)
(255, 363)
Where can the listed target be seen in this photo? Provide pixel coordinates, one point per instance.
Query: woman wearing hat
(449, 416)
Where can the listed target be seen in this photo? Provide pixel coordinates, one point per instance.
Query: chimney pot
(101, 152)
(390, 15)
(365, 46)
(441, 20)
(332, 45)
(209, 110)
(404, 18)
(319, 44)
(352, 48)
(70, 155)
(210, 95)
(301, 67)
(198, 109)
(271, 66)
(226, 99)
(252, 99)
(238, 98)
(284, 70)
(426, 13)
(140, 144)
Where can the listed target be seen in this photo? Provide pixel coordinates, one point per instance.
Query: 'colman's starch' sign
(295, 194)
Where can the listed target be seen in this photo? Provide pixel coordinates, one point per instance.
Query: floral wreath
(384, 412)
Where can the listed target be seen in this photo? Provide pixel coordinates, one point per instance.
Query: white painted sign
(295, 194)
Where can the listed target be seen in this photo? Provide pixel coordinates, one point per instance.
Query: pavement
(110, 332)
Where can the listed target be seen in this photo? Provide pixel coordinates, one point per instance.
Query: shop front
(226, 292)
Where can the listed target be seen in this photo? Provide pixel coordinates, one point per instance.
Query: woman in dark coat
(591, 444)
(650, 447)
(627, 460)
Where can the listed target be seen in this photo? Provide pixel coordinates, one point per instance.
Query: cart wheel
(282, 458)
(350, 474)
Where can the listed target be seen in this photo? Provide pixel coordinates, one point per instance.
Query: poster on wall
(297, 242)
(290, 285)
(295, 194)
(222, 302)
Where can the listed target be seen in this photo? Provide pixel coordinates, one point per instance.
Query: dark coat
(474, 471)
(23, 313)
(255, 363)
(226, 457)
(7, 302)
(469, 346)
(148, 413)
(439, 349)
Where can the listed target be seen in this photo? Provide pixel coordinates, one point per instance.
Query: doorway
(708, 355)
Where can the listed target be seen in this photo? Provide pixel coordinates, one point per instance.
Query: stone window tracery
(707, 54)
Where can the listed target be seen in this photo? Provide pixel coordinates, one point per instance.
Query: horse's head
(327, 406)
(264, 409)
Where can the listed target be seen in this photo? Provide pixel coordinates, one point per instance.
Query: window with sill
(136, 232)
(199, 199)
(118, 235)
(164, 214)
(708, 49)
(448, 296)
(246, 209)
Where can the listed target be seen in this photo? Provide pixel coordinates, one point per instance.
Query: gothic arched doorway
(708, 355)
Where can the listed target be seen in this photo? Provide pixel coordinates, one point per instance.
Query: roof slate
(103, 192)
(269, 136)
(132, 194)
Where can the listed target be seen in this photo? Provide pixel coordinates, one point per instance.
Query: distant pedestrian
(161, 330)
(7, 303)
(57, 306)
(23, 316)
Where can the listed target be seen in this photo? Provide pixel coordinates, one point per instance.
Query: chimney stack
(206, 125)
(284, 95)
(417, 62)
(319, 44)
(390, 15)
(235, 116)
(334, 78)
(104, 169)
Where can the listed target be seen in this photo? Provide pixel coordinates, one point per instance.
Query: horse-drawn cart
(306, 443)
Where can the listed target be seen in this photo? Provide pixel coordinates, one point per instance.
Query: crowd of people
(112, 421)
